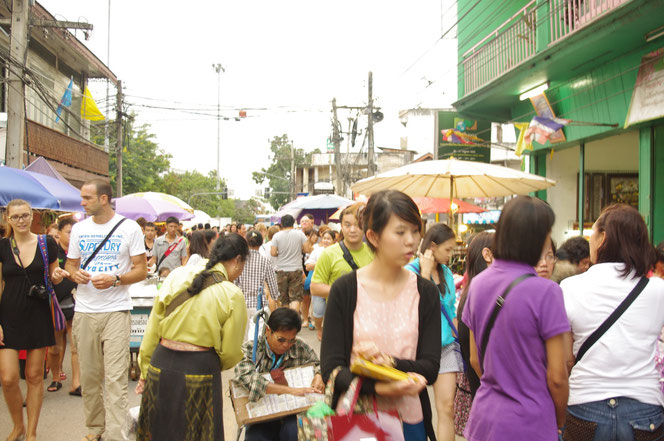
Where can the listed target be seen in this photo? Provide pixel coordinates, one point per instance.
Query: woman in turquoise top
(435, 251)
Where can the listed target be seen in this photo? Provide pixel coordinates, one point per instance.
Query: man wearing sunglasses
(276, 350)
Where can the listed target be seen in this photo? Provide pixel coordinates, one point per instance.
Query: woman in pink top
(387, 314)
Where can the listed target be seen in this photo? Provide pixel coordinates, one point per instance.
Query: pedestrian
(267, 244)
(258, 273)
(170, 250)
(305, 306)
(25, 315)
(105, 256)
(387, 314)
(65, 293)
(150, 234)
(194, 332)
(478, 258)
(658, 267)
(518, 353)
(334, 262)
(242, 230)
(435, 252)
(546, 265)
(288, 246)
(277, 349)
(328, 238)
(614, 386)
(198, 248)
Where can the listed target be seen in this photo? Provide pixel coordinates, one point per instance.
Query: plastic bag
(131, 424)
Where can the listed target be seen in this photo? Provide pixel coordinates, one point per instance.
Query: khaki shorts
(291, 286)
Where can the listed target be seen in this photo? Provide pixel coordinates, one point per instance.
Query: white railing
(502, 50)
(568, 16)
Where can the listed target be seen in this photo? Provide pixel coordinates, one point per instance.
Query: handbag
(463, 401)
(59, 321)
(355, 419)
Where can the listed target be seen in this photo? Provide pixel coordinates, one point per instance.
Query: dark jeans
(622, 419)
(284, 429)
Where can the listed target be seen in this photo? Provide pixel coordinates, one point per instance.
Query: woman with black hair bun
(194, 332)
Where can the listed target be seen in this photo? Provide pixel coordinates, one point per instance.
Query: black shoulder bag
(500, 301)
(101, 244)
(615, 315)
(348, 257)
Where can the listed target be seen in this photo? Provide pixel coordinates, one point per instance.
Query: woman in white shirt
(614, 387)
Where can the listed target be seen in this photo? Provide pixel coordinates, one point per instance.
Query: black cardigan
(337, 340)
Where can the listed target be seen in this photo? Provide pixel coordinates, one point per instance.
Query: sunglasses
(283, 340)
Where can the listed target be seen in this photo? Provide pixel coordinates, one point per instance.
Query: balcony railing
(568, 16)
(502, 50)
(514, 41)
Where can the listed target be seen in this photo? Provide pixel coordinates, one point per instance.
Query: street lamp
(219, 69)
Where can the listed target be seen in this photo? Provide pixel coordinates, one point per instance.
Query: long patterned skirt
(182, 398)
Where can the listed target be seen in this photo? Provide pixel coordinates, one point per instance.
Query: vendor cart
(142, 296)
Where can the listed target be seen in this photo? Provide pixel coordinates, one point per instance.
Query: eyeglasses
(21, 217)
(549, 258)
(283, 340)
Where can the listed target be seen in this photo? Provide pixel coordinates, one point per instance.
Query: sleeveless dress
(26, 321)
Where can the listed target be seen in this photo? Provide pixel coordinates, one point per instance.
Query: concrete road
(62, 415)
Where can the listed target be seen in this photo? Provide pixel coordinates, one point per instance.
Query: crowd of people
(532, 342)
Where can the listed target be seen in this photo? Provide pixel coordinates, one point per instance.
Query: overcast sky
(289, 57)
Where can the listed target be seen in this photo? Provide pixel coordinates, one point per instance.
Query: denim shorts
(318, 304)
(617, 419)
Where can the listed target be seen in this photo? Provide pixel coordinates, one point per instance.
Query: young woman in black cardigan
(387, 314)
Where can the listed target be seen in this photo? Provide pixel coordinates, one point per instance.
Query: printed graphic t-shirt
(114, 259)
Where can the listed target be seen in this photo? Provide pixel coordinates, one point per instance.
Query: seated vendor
(278, 349)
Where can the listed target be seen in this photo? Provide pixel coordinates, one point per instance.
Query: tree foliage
(278, 174)
(189, 184)
(143, 162)
(246, 211)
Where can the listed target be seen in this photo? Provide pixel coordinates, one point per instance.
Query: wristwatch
(116, 282)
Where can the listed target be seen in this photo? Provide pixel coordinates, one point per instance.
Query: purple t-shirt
(513, 402)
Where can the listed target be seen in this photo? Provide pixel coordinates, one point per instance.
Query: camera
(38, 292)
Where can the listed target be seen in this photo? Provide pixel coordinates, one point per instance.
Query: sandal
(312, 327)
(54, 386)
(92, 438)
(63, 376)
(76, 392)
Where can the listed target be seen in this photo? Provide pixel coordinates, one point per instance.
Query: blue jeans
(621, 419)
(284, 429)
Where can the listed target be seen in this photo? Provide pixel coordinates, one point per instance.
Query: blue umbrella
(18, 184)
(68, 195)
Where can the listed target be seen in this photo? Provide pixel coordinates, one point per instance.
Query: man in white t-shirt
(288, 246)
(102, 322)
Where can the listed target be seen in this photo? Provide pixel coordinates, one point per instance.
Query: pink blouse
(393, 326)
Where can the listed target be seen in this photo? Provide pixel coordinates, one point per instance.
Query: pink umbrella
(442, 205)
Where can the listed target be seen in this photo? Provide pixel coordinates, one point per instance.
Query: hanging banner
(648, 96)
(543, 108)
(467, 152)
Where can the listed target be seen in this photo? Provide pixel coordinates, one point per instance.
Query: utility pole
(336, 140)
(118, 141)
(16, 90)
(371, 168)
(292, 171)
(219, 69)
(20, 23)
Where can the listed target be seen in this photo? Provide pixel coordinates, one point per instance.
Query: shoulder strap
(183, 296)
(615, 315)
(167, 253)
(500, 301)
(101, 244)
(347, 256)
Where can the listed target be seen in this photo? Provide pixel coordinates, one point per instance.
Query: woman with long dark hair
(194, 332)
(614, 387)
(478, 258)
(387, 314)
(517, 325)
(435, 252)
(25, 314)
(199, 248)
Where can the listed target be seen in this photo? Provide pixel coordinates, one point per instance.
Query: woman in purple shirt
(524, 389)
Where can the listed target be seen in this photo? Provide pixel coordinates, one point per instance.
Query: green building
(588, 55)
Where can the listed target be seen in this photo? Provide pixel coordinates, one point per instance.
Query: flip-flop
(54, 386)
(63, 376)
(312, 326)
(76, 392)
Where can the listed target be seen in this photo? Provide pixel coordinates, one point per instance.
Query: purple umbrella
(150, 209)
